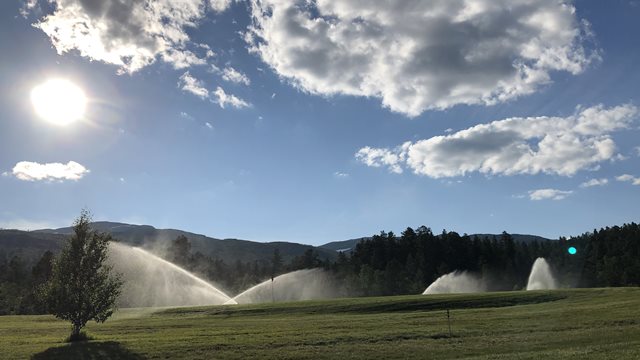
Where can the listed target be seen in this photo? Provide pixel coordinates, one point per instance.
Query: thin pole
(449, 322)
(273, 298)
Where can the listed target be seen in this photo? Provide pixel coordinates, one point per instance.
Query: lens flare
(572, 250)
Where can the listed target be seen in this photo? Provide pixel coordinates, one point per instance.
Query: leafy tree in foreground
(82, 287)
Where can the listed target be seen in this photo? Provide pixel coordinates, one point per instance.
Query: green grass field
(562, 324)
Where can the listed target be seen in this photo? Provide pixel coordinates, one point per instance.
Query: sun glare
(59, 101)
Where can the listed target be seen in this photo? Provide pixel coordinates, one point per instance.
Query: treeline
(387, 264)
(21, 277)
(236, 276)
(611, 256)
(19, 283)
(391, 265)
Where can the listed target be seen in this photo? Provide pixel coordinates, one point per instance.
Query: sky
(316, 121)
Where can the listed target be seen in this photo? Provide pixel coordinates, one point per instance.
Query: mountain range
(31, 244)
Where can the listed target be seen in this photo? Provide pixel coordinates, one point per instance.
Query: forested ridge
(389, 264)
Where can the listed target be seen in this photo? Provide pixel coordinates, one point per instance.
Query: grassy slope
(568, 324)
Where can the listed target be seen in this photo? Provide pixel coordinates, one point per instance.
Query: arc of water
(153, 281)
(456, 282)
(296, 285)
(185, 272)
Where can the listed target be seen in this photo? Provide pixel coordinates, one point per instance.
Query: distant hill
(230, 250)
(523, 238)
(30, 244)
(344, 245)
(348, 245)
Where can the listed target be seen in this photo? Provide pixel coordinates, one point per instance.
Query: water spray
(541, 277)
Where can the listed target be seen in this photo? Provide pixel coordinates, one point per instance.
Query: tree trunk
(75, 332)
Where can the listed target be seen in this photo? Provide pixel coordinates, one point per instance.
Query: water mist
(456, 282)
(294, 286)
(541, 277)
(153, 281)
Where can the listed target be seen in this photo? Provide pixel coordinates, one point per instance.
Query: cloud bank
(130, 34)
(33, 171)
(414, 56)
(531, 145)
(420, 54)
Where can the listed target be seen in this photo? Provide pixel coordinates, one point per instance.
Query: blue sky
(321, 121)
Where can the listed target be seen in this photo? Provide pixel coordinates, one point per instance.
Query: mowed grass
(562, 324)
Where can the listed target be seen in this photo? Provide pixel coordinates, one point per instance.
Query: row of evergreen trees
(391, 265)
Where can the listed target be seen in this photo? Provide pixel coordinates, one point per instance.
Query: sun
(59, 101)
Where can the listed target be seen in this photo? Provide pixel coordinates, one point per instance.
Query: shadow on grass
(88, 351)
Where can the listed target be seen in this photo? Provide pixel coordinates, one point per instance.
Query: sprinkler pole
(273, 298)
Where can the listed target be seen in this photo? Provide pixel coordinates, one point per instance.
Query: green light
(572, 250)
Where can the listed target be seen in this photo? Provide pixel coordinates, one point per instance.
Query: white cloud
(393, 159)
(27, 7)
(594, 182)
(232, 75)
(209, 53)
(629, 178)
(186, 115)
(550, 145)
(219, 5)
(182, 58)
(33, 171)
(128, 34)
(222, 98)
(548, 194)
(420, 54)
(208, 125)
(637, 149)
(196, 87)
(340, 175)
(190, 84)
